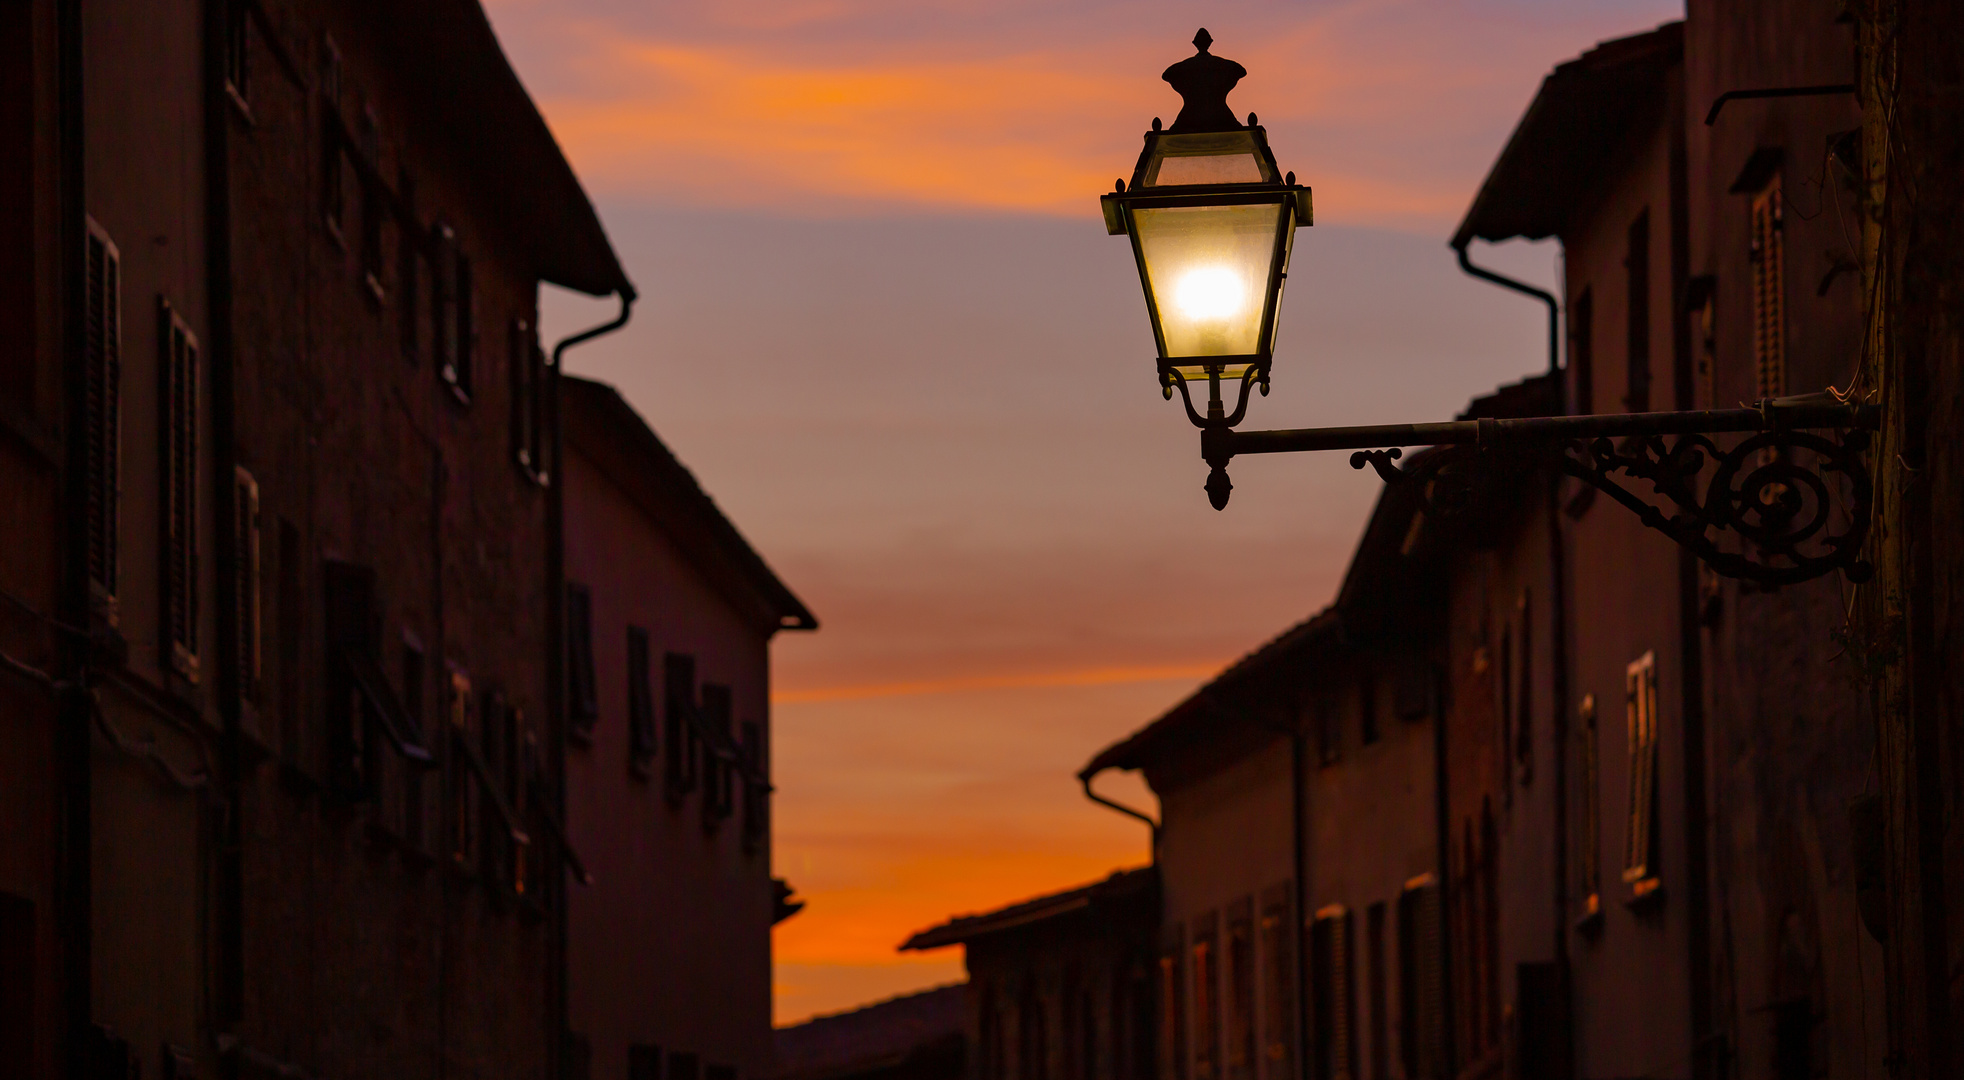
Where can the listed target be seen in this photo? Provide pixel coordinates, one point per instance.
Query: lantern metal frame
(1801, 504)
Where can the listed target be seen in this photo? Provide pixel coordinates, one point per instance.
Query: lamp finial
(1204, 80)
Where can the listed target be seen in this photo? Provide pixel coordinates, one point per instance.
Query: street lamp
(1212, 222)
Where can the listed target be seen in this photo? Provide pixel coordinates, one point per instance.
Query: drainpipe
(1085, 779)
(229, 887)
(1558, 640)
(74, 908)
(558, 1008)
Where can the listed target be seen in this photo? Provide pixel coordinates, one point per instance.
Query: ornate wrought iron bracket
(1799, 504)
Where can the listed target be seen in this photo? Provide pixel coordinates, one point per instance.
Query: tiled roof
(1122, 885)
(878, 1036)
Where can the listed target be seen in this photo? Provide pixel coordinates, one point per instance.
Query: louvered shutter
(580, 678)
(103, 377)
(1331, 963)
(1769, 290)
(246, 590)
(1640, 694)
(1278, 952)
(1421, 981)
(179, 364)
(640, 701)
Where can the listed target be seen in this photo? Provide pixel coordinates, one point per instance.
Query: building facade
(282, 407)
(1061, 987)
(670, 617)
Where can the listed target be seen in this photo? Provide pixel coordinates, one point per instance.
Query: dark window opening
(290, 597)
(683, 743)
(1380, 998)
(1329, 731)
(756, 787)
(1524, 694)
(640, 702)
(1331, 978)
(1367, 709)
(1033, 1031)
(1206, 953)
(246, 592)
(1636, 265)
(718, 764)
(1582, 352)
(1278, 948)
(352, 626)
(1240, 991)
(178, 575)
(583, 693)
(414, 689)
(103, 391)
(238, 51)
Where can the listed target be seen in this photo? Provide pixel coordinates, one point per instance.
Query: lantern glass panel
(1215, 157)
(1208, 270)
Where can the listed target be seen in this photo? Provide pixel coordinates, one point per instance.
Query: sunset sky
(882, 322)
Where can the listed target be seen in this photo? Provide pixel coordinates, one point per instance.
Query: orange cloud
(1100, 676)
(1035, 132)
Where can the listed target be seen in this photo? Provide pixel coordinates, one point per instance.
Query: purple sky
(882, 322)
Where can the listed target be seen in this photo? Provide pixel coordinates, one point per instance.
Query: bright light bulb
(1210, 294)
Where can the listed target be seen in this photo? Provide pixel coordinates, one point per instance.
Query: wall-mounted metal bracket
(1798, 504)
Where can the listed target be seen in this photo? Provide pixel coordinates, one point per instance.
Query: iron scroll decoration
(1800, 504)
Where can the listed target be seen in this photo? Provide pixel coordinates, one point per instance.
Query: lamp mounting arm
(1798, 504)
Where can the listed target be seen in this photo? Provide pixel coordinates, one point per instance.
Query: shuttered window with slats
(178, 363)
(1640, 706)
(102, 360)
(1769, 291)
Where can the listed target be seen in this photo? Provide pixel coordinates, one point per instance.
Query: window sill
(377, 295)
(333, 226)
(1646, 895)
(1590, 923)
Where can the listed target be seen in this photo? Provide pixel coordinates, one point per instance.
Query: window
(640, 702)
(1582, 352)
(1589, 856)
(291, 595)
(333, 154)
(414, 690)
(1278, 953)
(374, 199)
(1033, 1034)
(1367, 709)
(1524, 692)
(349, 609)
(492, 749)
(1329, 731)
(1640, 706)
(237, 52)
(528, 379)
(990, 1051)
(1206, 952)
(683, 743)
(1331, 978)
(1421, 979)
(453, 317)
(1240, 990)
(643, 1062)
(1380, 997)
(1504, 683)
(756, 788)
(1172, 1009)
(582, 687)
(245, 589)
(463, 832)
(1769, 259)
(102, 359)
(178, 361)
(718, 764)
(1636, 266)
